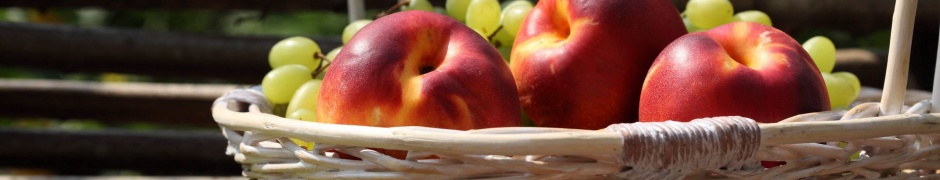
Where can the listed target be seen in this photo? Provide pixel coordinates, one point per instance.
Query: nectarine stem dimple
(562, 21)
(736, 54)
(425, 69)
(738, 50)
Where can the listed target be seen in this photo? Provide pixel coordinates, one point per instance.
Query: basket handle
(899, 53)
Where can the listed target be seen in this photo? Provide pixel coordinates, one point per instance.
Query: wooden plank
(167, 54)
(120, 177)
(171, 104)
(282, 5)
(199, 153)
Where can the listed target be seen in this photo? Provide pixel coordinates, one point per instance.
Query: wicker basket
(899, 146)
(858, 143)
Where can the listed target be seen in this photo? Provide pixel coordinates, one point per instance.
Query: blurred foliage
(878, 39)
(844, 39)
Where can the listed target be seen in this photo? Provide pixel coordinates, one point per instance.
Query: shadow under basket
(857, 143)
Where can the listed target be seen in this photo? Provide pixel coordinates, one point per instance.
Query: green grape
(280, 83)
(440, 10)
(423, 5)
(506, 52)
(484, 35)
(853, 80)
(303, 115)
(513, 15)
(502, 38)
(483, 15)
(843, 88)
(306, 145)
(322, 74)
(753, 16)
(707, 14)
(294, 50)
(457, 9)
(688, 25)
(526, 120)
(505, 4)
(305, 98)
(823, 52)
(352, 28)
(331, 56)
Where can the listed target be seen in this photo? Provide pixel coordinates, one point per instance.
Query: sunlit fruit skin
(581, 63)
(738, 69)
(376, 81)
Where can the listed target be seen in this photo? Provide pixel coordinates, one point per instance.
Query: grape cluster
(497, 22)
(706, 14)
(290, 85)
(843, 87)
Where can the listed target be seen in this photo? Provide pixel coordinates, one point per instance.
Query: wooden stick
(899, 53)
(935, 97)
(356, 9)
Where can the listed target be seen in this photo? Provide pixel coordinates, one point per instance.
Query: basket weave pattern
(813, 145)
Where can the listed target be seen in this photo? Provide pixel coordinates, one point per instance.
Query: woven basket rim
(785, 132)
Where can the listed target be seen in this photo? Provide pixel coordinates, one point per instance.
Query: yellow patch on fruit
(533, 44)
(410, 97)
(464, 110)
(730, 64)
(541, 41)
(545, 40)
(411, 79)
(748, 47)
(561, 14)
(376, 117)
(652, 70)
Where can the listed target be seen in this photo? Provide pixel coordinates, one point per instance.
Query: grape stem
(321, 66)
(490, 37)
(391, 9)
